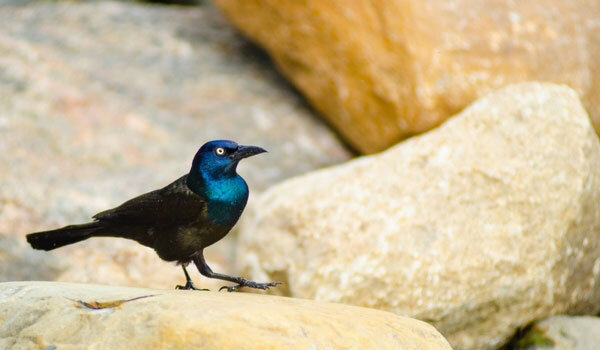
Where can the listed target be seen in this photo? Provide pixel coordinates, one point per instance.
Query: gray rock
(103, 101)
(563, 333)
(19, 262)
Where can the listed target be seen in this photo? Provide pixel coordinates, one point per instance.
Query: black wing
(172, 204)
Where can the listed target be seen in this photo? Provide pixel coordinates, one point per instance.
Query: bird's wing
(173, 204)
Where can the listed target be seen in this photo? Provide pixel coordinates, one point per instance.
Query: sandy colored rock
(386, 69)
(75, 316)
(480, 226)
(103, 101)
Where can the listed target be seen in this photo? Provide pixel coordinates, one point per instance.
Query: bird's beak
(246, 151)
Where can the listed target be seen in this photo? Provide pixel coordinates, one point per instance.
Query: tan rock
(382, 70)
(480, 226)
(65, 316)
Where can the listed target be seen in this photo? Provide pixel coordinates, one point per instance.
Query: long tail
(48, 240)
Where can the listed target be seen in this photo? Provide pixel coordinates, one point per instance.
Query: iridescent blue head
(214, 167)
(213, 176)
(219, 159)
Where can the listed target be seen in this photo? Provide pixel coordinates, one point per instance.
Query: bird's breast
(226, 200)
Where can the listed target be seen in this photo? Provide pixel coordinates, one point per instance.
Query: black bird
(180, 220)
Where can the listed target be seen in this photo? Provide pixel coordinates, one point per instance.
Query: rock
(562, 333)
(386, 69)
(478, 227)
(69, 316)
(19, 262)
(103, 101)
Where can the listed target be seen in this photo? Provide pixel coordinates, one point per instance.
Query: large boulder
(75, 316)
(103, 101)
(480, 226)
(382, 70)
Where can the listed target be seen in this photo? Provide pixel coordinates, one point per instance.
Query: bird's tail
(48, 240)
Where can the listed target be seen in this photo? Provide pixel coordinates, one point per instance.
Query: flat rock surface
(479, 227)
(65, 316)
(103, 101)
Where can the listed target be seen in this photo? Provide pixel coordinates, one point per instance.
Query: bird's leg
(188, 281)
(241, 282)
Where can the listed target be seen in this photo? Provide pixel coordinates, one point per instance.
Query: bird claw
(231, 288)
(250, 284)
(190, 286)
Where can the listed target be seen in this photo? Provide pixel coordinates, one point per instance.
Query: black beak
(246, 151)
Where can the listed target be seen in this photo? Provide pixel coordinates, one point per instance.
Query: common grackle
(178, 220)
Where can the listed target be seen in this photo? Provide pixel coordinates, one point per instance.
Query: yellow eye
(220, 151)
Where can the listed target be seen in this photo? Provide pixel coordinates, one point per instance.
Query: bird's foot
(250, 284)
(189, 286)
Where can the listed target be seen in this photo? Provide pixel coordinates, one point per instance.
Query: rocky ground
(486, 227)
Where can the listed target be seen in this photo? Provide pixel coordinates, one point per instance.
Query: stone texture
(562, 333)
(75, 316)
(103, 101)
(19, 262)
(480, 226)
(382, 70)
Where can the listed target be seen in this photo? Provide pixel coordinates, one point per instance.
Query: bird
(179, 220)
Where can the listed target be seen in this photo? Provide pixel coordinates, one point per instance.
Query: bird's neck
(215, 187)
(226, 196)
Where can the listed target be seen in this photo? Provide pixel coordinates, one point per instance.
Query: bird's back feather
(170, 205)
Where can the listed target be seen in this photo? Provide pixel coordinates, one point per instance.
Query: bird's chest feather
(226, 199)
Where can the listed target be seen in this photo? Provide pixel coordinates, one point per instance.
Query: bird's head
(216, 159)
